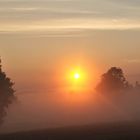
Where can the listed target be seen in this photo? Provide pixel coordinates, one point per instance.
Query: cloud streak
(71, 24)
(59, 15)
(133, 61)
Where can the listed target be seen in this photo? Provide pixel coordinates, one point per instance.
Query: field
(116, 131)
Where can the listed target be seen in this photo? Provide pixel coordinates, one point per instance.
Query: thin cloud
(50, 10)
(59, 15)
(71, 24)
(133, 61)
(45, 9)
(18, 9)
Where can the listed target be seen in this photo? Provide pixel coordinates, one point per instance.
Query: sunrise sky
(45, 38)
(54, 50)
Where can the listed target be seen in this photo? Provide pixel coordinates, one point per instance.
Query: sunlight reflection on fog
(56, 109)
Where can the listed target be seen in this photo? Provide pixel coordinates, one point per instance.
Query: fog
(41, 109)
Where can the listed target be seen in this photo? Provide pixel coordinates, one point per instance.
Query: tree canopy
(113, 80)
(6, 93)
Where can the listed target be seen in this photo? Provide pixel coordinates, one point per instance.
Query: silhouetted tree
(113, 80)
(6, 93)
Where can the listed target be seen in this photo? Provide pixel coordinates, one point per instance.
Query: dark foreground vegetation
(114, 131)
(6, 93)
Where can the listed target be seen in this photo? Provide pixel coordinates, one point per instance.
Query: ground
(112, 131)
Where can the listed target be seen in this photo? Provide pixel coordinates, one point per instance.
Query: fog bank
(48, 109)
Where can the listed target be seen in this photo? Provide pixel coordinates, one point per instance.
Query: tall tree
(6, 93)
(113, 80)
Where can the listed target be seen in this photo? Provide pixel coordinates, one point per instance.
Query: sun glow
(77, 79)
(76, 75)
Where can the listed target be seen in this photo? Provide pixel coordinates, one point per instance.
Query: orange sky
(40, 57)
(37, 37)
(43, 41)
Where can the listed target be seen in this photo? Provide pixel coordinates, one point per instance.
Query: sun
(76, 76)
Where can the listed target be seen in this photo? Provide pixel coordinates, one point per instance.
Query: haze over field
(41, 41)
